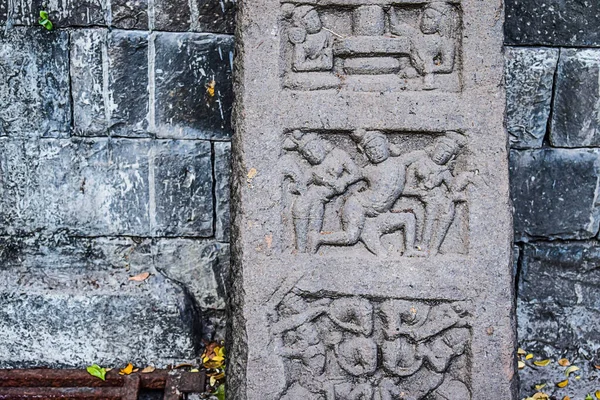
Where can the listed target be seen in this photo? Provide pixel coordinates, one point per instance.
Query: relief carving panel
(397, 46)
(358, 348)
(387, 193)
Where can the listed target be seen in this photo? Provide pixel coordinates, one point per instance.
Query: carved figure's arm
(294, 321)
(398, 27)
(352, 175)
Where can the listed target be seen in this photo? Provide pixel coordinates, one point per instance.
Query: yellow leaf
(540, 386)
(127, 370)
(213, 380)
(563, 362)
(220, 351)
(541, 396)
(252, 174)
(529, 356)
(563, 384)
(597, 394)
(521, 352)
(542, 363)
(140, 277)
(148, 369)
(521, 365)
(566, 398)
(210, 88)
(571, 369)
(194, 370)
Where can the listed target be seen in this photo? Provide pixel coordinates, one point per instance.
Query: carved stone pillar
(371, 222)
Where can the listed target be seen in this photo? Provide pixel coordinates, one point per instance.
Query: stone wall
(553, 78)
(114, 161)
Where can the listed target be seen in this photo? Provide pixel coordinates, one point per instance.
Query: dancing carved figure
(330, 174)
(366, 215)
(433, 45)
(312, 45)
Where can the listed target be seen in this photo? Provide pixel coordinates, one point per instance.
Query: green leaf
(43, 14)
(47, 24)
(589, 397)
(97, 371)
(220, 393)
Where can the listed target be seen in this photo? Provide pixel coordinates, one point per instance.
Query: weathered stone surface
(68, 302)
(63, 14)
(555, 193)
(552, 22)
(222, 190)
(129, 14)
(106, 187)
(529, 86)
(110, 82)
(558, 314)
(183, 185)
(215, 16)
(201, 267)
(372, 235)
(34, 83)
(193, 85)
(575, 118)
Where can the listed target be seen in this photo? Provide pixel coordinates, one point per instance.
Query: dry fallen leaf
(251, 174)
(563, 384)
(521, 352)
(597, 366)
(541, 396)
(540, 386)
(140, 277)
(597, 394)
(542, 363)
(563, 362)
(148, 369)
(210, 88)
(566, 398)
(521, 365)
(127, 370)
(571, 369)
(529, 356)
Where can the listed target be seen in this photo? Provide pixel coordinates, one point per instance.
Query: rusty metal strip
(77, 384)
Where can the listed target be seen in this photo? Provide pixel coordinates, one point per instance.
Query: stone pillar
(372, 233)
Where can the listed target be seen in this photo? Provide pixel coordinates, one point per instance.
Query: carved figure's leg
(419, 385)
(388, 389)
(300, 214)
(353, 222)
(352, 391)
(445, 221)
(371, 236)
(432, 212)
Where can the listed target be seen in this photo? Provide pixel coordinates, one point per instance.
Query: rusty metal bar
(24, 384)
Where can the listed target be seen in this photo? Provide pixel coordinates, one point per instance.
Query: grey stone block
(575, 121)
(110, 82)
(183, 185)
(129, 14)
(552, 22)
(222, 171)
(34, 83)
(193, 85)
(215, 16)
(529, 86)
(555, 193)
(103, 187)
(558, 314)
(62, 14)
(68, 302)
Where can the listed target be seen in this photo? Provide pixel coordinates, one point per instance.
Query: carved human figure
(330, 174)
(366, 215)
(433, 45)
(431, 180)
(313, 45)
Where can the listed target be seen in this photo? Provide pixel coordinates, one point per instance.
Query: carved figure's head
(446, 147)
(376, 146)
(309, 145)
(308, 18)
(436, 18)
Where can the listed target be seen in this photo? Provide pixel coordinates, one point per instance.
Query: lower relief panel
(359, 348)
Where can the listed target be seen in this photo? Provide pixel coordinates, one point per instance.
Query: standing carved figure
(433, 45)
(366, 215)
(431, 180)
(330, 174)
(313, 45)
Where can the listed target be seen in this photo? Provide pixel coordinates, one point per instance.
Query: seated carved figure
(366, 215)
(313, 45)
(433, 45)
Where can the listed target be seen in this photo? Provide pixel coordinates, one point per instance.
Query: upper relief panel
(383, 45)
